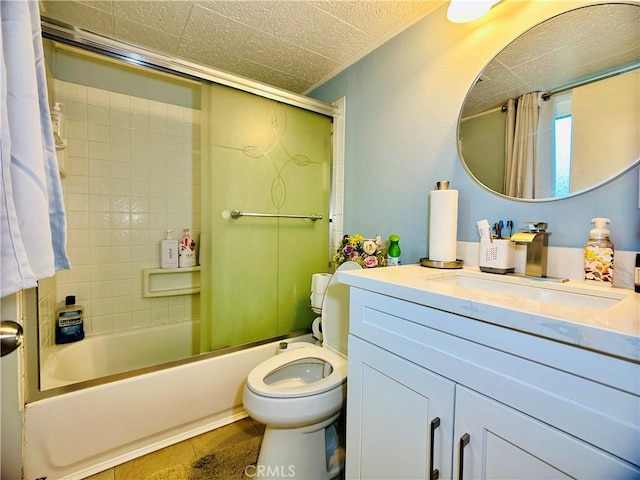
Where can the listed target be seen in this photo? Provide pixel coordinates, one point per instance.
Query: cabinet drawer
(603, 416)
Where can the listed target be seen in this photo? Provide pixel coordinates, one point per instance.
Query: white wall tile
(76, 130)
(77, 220)
(120, 186)
(97, 132)
(139, 138)
(98, 168)
(97, 97)
(131, 176)
(157, 109)
(76, 93)
(77, 202)
(139, 121)
(76, 111)
(98, 150)
(98, 115)
(139, 105)
(119, 118)
(118, 101)
(119, 135)
(77, 184)
(76, 148)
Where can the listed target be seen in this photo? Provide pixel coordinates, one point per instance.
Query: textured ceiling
(293, 45)
(570, 48)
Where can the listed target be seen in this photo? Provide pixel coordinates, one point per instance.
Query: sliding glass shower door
(261, 156)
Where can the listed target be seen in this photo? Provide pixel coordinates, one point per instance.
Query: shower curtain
(32, 218)
(521, 145)
(260, 156)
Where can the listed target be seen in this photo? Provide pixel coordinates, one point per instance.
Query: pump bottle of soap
(57, 122)
(169, 252)
(598, 254)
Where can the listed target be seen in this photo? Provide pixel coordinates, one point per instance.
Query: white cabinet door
(504, 443)
(394, 410)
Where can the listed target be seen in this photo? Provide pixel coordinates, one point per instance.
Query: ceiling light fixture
(463, 11)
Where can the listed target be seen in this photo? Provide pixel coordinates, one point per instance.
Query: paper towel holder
(426, 262)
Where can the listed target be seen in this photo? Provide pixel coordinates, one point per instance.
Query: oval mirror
(557, 111)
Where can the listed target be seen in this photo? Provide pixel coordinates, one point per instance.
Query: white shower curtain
(32, 218)
(521, 145)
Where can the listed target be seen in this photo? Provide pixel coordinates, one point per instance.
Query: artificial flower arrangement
(368, 253)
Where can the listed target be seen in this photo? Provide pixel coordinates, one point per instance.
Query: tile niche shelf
(166, 282)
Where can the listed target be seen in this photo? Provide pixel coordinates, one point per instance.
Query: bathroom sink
(484, 285)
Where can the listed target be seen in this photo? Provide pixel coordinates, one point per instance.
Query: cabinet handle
(435, 423)
(464, 440)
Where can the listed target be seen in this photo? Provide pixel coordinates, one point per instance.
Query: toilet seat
(256, 379)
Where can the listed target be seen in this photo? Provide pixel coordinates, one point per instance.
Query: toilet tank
(335, 312)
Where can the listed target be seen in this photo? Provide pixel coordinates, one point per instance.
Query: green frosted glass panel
(264, 157)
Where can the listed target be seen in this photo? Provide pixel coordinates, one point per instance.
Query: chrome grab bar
(235, 214)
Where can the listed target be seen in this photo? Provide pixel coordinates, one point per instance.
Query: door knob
(10, 335)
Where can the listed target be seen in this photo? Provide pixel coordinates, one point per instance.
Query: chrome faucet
(536, 239)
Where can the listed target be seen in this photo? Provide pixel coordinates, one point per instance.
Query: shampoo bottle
(598, 254)
(169, 252)
(187, 250)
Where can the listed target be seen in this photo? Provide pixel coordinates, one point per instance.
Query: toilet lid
(256, 383)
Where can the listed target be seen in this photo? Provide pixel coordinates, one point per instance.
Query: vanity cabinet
(430, 391)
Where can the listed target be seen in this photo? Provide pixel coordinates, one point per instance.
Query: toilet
(300, 393)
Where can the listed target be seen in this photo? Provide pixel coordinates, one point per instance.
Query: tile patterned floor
(186, 451)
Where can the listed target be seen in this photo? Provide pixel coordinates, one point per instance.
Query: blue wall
(403, 101)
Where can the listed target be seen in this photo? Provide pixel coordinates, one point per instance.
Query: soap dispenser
(57, 123)
(598, 254)
(169, 252)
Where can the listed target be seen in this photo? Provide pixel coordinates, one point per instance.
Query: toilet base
(289, 453)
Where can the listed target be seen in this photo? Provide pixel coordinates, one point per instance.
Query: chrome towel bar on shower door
(235, 214)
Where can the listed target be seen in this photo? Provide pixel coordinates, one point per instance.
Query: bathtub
(109, 354)
(77, 434)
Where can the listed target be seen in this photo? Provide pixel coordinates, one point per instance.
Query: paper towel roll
(443, 225)
(319, 283)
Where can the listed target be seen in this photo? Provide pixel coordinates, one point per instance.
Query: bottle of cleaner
(598, 254)
(187, 250)
(393, 252)
(69, 323)
(169, 252)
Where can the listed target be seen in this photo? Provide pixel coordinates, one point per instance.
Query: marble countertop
(603, 319)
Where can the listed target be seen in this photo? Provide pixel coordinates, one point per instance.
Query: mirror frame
(632, 164)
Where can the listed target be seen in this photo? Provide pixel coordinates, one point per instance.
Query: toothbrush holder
(497, 256)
